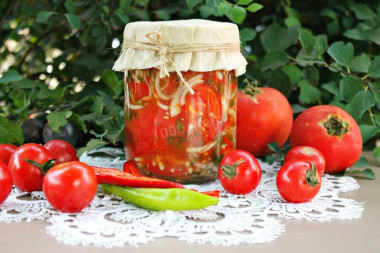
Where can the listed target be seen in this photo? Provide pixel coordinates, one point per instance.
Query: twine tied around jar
(164, 51)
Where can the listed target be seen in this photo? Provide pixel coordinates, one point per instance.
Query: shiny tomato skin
(308, 154)
(340, 152)
(62, 151)
(262, 119)
(27, 177)
(291, 182)
(6, 151)
(70, 187)
(6, 182)
(248, 172)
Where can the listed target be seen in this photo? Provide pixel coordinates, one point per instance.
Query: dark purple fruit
(67, 133)
(32, 130)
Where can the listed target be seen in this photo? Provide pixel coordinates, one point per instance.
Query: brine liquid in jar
(173, 134)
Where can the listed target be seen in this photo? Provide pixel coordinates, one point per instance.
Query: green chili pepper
(159, 199)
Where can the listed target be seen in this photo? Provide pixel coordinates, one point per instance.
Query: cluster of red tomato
(324, 139)
(68, 184)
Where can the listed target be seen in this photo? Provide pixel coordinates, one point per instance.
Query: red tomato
(6, 182)
(239, 172)
(307, 154)
(62, 151)
(264, 116)
(298, 181)
(70, 187)
(202, 115)
(333, 132)
(6, 151)
(26, 176)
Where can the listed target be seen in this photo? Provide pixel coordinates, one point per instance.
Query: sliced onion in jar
(135, 107)
(202, 149)
(162, 106)
(159, 91)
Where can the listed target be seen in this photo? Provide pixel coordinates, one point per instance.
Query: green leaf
(192, 3)
(292, 21)
(10, 133)
(125, 3)
(342, 53)
(244, 2)
(307, 41)
(74, 21)
(294, 73)
(360, 63)
(367, 173)
(333, 89)
(280, 81)
(361, 102)
(349, 86)
(270, 38)
(238, 14)
(70, 7)
(376, 153)
(56, 120)
(254, 7)
(368, 131)
(10, 76)
(374, 36)
(224, 9)
(91, 145)
(274, 60)
(43, 16)
(362, 11)
(109, 77)
(361, 163)
(354, 34)
(247, 34)
(142, 3)
(85, 38)
(123, 16)
(296, 108)
(308, 94)
(274, 147)
(311, 75)
(320, 46)
(374, 68)
(207, 11)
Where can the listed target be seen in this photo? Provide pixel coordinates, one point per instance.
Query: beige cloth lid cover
(197, 45)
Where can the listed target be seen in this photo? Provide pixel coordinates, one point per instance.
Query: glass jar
(173, 134)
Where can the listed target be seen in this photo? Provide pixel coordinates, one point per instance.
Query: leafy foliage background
(57, 56)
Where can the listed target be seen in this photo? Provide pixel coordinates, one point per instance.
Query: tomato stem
(229, 171)
(311, 176)
(336, 127)
(44, 167)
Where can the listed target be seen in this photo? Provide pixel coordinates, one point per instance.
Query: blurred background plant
(56, 57)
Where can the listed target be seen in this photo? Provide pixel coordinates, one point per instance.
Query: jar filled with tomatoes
(180, 96)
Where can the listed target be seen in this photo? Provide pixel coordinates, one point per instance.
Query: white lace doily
(111, 222)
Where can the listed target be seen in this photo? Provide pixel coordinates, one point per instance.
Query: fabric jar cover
(182, 45)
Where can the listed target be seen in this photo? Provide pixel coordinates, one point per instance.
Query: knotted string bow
(164, 51)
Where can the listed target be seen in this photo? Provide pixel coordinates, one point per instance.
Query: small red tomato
(28, 177)
(333, 132)
(6, 151)
(298, 181)
(62, 151)
(70, 187)
(239, 172)
(307, 154)
(6, 182)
